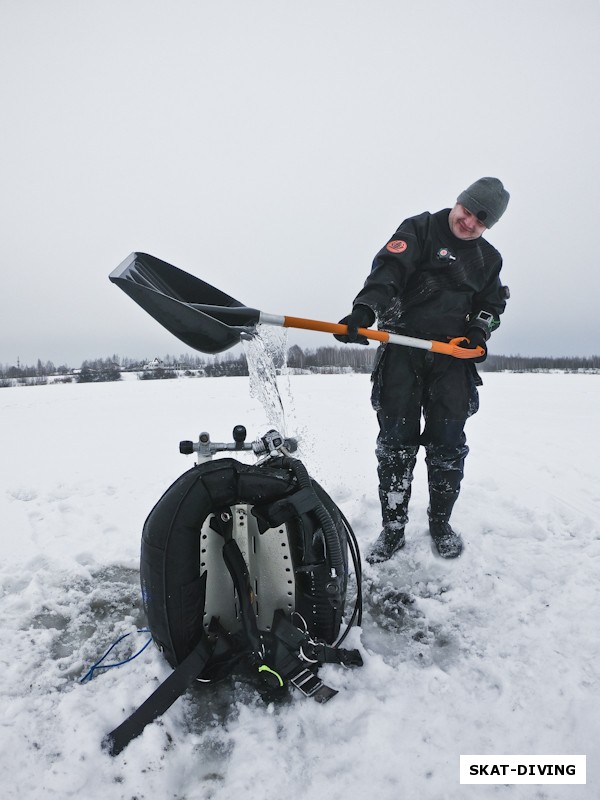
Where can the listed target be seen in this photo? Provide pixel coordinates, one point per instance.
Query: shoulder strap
(161, 699)
(192, 666)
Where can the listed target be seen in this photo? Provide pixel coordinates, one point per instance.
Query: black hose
(329, 528)
(356, 618)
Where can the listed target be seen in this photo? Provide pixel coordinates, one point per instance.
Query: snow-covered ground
(497, 652)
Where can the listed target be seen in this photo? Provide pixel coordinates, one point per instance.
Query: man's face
(463, 224)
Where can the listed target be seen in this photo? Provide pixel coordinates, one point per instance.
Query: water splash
(266, 352)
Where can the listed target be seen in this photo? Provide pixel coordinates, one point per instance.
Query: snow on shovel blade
(194, 311)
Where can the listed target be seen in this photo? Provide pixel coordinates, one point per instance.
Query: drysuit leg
(397, 447)
(445, 458)
(396, 398)
(451, 397)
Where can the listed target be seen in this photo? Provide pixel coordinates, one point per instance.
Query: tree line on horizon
(322, 359)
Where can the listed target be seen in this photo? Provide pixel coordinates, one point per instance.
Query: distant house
(156, 363)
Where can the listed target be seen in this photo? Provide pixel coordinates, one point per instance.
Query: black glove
(361, 317)
(477, 338)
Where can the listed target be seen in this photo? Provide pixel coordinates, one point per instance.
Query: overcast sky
(272, 147)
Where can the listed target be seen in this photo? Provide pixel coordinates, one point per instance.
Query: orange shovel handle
(450, 348)
(332, 327)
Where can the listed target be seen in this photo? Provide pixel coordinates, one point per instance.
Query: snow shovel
(211, 321)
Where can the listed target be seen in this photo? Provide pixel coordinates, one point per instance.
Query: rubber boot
(445, 471)
(390, 540)
(448, 543)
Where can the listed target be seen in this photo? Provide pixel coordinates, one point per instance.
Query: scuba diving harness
(283, 543)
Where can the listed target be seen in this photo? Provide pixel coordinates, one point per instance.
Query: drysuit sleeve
(392, 268)
(490, 301)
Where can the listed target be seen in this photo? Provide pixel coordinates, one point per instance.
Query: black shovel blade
(192, 310)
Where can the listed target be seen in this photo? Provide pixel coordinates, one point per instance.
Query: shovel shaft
(451, 348)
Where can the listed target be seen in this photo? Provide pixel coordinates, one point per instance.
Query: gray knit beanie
(487, 199)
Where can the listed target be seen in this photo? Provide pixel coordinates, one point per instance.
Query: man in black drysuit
(435, 279)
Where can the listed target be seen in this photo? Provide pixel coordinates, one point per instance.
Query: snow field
(497, 652)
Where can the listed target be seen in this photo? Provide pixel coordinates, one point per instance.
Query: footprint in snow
(23, 494)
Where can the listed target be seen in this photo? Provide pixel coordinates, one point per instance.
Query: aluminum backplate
(270, 568)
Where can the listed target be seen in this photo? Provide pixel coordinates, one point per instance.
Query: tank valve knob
(239, 434)
(187, 448)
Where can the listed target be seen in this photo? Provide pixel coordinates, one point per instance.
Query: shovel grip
(453, 348)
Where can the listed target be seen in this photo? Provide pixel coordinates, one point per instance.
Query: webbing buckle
(307, 682)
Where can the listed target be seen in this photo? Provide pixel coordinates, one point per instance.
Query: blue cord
(98, 665)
